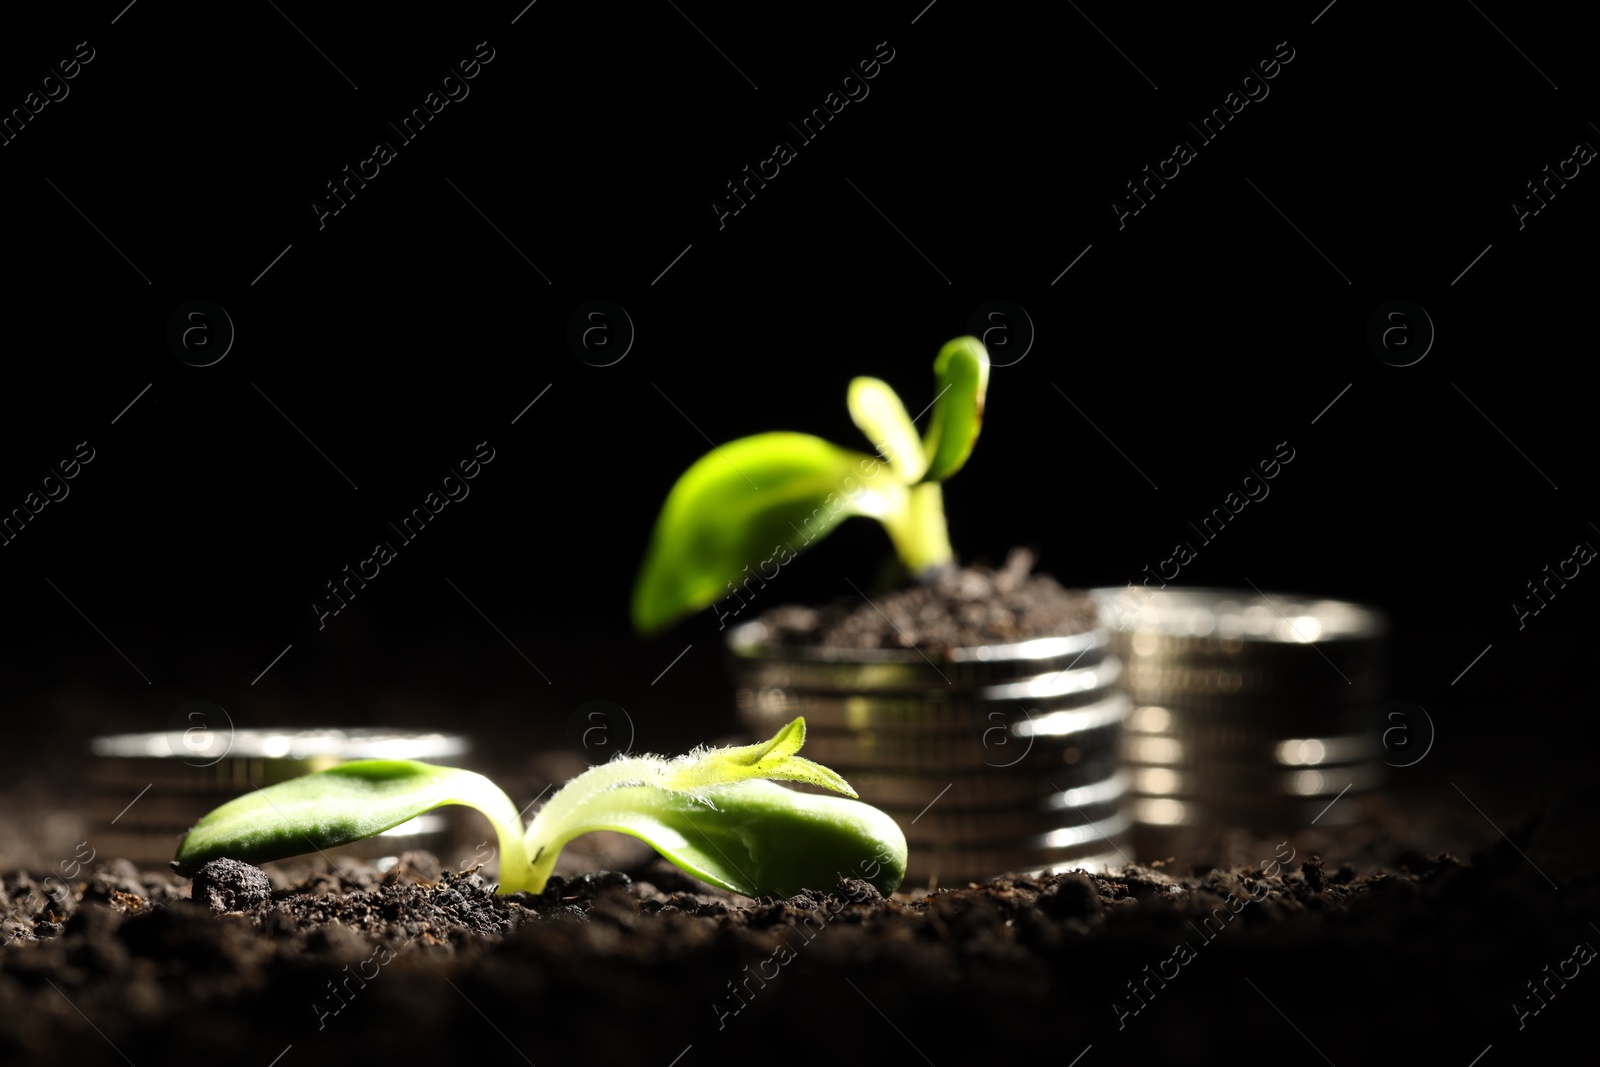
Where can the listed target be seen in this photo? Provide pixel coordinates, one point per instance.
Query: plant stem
(475, 791)
(920, 534)
(564, 814)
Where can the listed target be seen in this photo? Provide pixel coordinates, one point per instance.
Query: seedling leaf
(962, 374)
(877, 410)
(774, 760)
(759, 839)
(743, 510)
(709, 812)
(746, 508)
(346, 803)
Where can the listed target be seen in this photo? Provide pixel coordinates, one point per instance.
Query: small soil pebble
(1312, 869)
(1073, 896)
(228, 885)
(857, 891)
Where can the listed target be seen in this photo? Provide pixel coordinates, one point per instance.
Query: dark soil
(228, 885)
(956, 608)
(1357, 948)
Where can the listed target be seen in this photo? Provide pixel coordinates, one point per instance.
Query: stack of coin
(148, 789)
(1250, 710)
(993, 759)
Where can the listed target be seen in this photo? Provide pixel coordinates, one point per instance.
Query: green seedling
(714, 812)
(745, 504)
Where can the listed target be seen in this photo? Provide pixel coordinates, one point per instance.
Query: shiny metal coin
(1174, 623)
(1229, 754)
(953, 827)
(1160, 682)
(1282, 719)
(953, 711)
(1250, 709)
(985, 790)
(1252, 814)
(933, 756)
(760, 664)
(1250, 782)
(1091, 847)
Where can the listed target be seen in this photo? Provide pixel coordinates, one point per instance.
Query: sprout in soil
(752, 499)
(714, 812)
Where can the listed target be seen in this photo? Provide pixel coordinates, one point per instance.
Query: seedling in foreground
(714, 813)
(743, 505)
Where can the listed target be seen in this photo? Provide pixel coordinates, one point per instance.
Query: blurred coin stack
(148, 789)
(992, 759)
(1249, 710)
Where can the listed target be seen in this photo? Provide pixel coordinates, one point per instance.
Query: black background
(374, 352)
(413, 325)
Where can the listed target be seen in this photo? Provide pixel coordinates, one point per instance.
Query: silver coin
(1251, 709)
(935, 755)
(759, 663)
(1247, 782)
(1253, 813)
(935, 871)
(1202, 641)
(1221, 754)
(986, 790)
(1278, 719)
(1092, 847)
(1157, 682)
(960, 710)
(950, 826)
(1206, 620)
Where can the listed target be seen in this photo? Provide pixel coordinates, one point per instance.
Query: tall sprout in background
(742, 504)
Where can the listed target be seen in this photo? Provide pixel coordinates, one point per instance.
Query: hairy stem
(565, 814)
